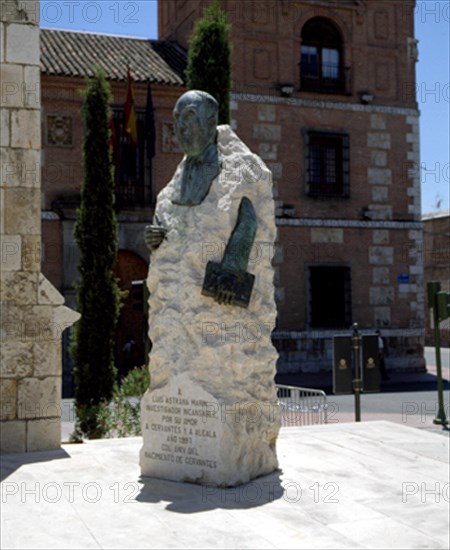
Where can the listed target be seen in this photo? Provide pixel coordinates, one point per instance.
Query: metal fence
(301, 406)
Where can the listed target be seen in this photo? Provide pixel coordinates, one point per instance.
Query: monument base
(191, 436)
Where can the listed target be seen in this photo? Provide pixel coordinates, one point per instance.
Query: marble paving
(355, 485)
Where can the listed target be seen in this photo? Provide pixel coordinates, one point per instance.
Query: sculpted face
(195, 120)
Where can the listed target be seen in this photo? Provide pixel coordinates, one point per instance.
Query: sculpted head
(195, 119)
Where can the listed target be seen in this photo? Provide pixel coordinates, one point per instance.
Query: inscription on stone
(185, 426)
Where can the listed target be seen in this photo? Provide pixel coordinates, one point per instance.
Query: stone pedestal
(194, 437)
(210, 415)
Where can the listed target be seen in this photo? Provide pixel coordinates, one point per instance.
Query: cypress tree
(98, 294)
(209, 58)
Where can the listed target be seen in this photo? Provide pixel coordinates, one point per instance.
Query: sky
(139, 18)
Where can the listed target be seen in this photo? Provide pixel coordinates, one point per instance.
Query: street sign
(370, 364)
(443, 305)
(342, 365)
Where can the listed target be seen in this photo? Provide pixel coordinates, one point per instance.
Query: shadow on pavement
(189, 498)
(9, 463)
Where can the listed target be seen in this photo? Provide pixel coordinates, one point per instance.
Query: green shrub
(122, 416)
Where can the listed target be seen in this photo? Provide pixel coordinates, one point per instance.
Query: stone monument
(210, 415)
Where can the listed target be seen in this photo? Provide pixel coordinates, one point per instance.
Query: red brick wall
(62, 168)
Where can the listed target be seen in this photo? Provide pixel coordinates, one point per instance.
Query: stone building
(324, 92)
(33, 316)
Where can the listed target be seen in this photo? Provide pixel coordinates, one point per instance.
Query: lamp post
(356, 344)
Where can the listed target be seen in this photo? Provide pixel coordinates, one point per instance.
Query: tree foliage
(98, 293)
(209, 58)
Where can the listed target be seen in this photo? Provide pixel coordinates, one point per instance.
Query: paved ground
(365, 485)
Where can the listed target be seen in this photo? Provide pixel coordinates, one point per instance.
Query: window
(327, 164)
(321, 63)
(132, 168)
(330, 297)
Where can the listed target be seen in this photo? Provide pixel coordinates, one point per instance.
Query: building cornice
(319, 222)
(323, 104)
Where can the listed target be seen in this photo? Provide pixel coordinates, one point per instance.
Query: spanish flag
(130, 114)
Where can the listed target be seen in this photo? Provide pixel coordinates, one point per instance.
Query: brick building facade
(324, 92)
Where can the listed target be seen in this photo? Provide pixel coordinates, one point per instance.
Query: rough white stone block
(11, 252)
(276, 169)
(377, 121)
(8, 399)
(382, 316)
(20, 167)
(412, 137)
(16, 352)
(380, 236)
(416, 270)
(267, 112)
(381, 295)
(22, 211)
(412, 119)
(267, 132)
(404, 288)
(379, 176)
(415, 235)
(5, 127)
(21, 11)
(26, 128)
(268, 151)
(31, 89)
(43, 434)
(18, 287)
(2, 41)
(22, 44)
(13, 436)
(413, 192)
(11, 77)
(380, 194)
(2, 214)
(47, 293)
(380, 212)
(47, 353)
(189, 435)
(381, 276)
(39, 398)
(327, 235)
(379, 140)
(378, 158)
(381, 255)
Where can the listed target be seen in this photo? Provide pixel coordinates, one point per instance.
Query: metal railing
(301, 406)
